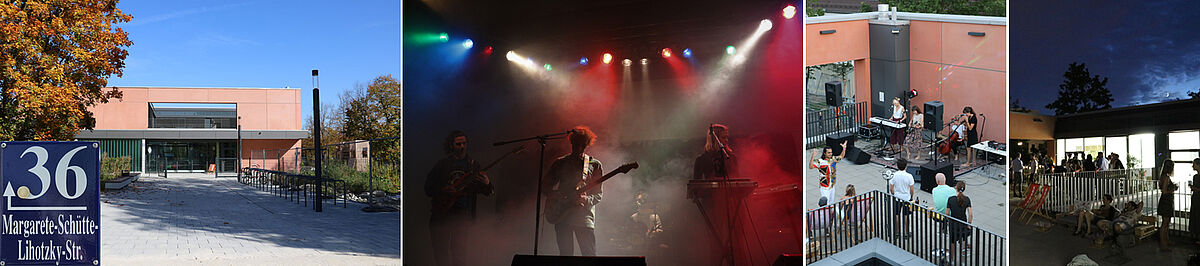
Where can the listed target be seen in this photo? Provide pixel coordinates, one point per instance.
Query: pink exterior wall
(261, 109)
(847, 44)
(947, 65)
(961, 70)
(253, 156)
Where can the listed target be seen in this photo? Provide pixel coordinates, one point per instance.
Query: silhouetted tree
(1080, 92)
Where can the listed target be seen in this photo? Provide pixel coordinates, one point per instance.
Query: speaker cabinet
(929, 173)
(833, 93)
(834, 141)
(933, 115)
(857, 156)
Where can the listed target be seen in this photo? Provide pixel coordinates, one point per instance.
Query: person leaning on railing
(1194, 215)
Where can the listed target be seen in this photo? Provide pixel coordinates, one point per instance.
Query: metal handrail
(872, 215)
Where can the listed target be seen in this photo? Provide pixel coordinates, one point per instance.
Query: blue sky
(271, 44)
(1148, 49)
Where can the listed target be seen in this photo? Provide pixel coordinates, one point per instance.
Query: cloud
(181, 13)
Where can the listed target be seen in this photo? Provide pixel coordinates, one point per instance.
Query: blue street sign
(50, 211)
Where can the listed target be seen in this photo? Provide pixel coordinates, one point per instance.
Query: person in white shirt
(901, 186)
(1018, 168)
(1101, 163)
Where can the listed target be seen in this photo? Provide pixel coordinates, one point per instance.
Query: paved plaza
(192, 219)
(988, 194)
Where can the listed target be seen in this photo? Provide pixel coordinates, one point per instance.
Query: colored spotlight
(789, 11)
(468, 44)
(645, 61)
(627, 62)
(487, 50)
(687, 52)
(607, 58)
(548, 67)
(583, 61)
(666, 52)
(730, 49)
(444, 37)
(765, 25)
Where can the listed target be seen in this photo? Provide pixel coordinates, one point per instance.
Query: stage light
(687, 53)
(645, 61)
(548, 67)
(444, 37)
(607, 58)
(529, 62)
(627, 62)
(730, 49)
(789, 12)
(583, 61)
(487, 50)
(468, 44)
(512, 56)
(765, 25)
(666, 52)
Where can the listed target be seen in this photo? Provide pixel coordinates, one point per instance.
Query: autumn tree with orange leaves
(55, 61)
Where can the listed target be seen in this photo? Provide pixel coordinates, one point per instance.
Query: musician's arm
(550, 179)
(485, 188)
(594, 195)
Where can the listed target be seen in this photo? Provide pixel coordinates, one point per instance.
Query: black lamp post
(317, 137)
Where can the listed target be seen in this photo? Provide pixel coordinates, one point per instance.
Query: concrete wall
(1023, 126)
(261, 109)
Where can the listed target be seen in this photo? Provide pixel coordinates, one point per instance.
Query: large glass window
(1141, 151)
(1119, 146)
(1060, 153)
(1093, 146)
(193, 115)
(1184, 147)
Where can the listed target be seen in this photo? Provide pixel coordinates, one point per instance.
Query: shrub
(111, 168)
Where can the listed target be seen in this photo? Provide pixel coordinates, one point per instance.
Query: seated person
(1088, 217)
(1125, 221)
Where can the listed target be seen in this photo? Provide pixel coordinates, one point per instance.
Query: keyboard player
(896, 137)
(717, 160)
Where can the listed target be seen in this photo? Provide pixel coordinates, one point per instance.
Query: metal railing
(929, 235)
(1084, 190)
(844, 118)
(299, 188)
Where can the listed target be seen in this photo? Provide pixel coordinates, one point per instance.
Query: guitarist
(449, 228)
(566, 174)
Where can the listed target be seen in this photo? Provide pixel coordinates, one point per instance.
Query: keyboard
(888, 123)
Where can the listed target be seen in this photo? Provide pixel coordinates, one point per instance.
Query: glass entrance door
(185, 156)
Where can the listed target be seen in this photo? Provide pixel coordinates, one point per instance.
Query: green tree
(1080, 92)
(993, 8)
(811, 10)
(55, 59)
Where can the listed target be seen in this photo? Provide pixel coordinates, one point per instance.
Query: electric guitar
(460, 181)
(564, 202)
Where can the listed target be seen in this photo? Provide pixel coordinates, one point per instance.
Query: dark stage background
(657, 114)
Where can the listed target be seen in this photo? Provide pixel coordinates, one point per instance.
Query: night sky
(1149, 50)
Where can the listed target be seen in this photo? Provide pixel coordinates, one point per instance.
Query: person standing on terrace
(1166, 203)
(1194, 215)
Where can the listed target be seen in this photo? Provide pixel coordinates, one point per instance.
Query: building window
(1118, 146)
(1141, 151)
(1184, 147)
(193, 115)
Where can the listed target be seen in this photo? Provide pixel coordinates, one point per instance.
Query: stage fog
(656, 114)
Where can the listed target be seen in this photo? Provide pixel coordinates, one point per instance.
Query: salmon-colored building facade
(196, 129)
(958, 60)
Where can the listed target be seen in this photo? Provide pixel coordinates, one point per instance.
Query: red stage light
(789, 12)
(487, 51)
(666, 52)
(607, 58)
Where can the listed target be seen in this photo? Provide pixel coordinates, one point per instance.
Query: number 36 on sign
(50, 213)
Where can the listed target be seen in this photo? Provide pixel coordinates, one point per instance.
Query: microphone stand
(537, 217)
(723, 171)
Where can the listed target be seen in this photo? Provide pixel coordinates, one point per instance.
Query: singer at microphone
(717, 161)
